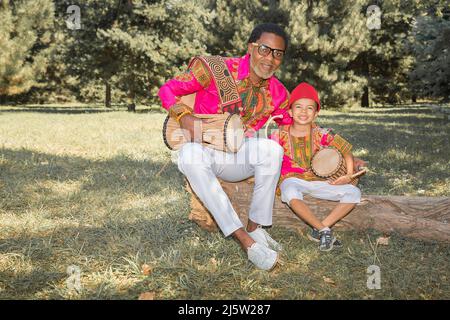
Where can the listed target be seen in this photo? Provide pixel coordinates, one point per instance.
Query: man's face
(265, 67)
(303, 111)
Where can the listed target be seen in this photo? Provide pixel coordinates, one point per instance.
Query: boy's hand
(359, 163)
(341, 180)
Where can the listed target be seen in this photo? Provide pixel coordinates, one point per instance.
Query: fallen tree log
(416, 217)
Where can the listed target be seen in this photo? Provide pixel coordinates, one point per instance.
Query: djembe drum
(328, 163)
(224, 132)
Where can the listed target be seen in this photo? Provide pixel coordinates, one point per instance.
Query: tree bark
(416, 217)
(365, 97)
(131, 106)
(107, 95)
(365, 67)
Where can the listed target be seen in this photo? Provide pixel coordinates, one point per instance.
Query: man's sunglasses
(264, 51)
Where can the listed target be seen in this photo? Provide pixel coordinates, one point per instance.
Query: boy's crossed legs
(292, 191)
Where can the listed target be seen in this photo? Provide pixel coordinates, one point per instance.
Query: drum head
(234, 133)
(326, 162)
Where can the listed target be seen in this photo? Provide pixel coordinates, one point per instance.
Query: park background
(85, 182)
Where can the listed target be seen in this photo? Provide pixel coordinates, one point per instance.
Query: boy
(300, 141)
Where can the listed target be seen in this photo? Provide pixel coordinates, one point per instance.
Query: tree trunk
(131, 106)
(416, 217)
(365, 101)
(365, 97)
(107, 95)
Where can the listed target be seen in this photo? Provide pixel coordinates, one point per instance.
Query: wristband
(184, 113)
(176, 110)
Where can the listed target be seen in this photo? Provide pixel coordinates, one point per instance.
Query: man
(261, 96)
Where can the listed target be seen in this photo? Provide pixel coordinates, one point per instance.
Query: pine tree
(327, 38)
(26, 44)
(430, 76)
(137, 45)
(388, 61)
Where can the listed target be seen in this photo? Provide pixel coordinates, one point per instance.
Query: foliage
(26, 44)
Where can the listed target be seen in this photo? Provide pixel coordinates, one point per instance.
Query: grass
(92, 190)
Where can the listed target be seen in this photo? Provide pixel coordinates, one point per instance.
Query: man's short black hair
(270, 28)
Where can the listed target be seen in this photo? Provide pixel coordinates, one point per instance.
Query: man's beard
(258, 72)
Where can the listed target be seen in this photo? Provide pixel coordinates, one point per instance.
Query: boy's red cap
(304, 90)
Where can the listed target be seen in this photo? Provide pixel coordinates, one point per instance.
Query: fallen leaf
(384, 241)
(146, 269)
(329, 281)
(149, 295)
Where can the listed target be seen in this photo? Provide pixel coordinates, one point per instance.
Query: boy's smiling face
(303, 111)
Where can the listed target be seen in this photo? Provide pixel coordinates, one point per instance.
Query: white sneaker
(263, 237)
(262, 257)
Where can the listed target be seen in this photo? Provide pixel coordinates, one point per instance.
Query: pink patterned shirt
(258, 103)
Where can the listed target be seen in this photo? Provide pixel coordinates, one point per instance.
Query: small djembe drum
(224, 132)
(329, 164)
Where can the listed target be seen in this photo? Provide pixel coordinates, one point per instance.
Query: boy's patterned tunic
(298, 151)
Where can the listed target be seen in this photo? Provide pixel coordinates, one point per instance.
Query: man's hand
(341, 180)
(359, 163)
(192, 125)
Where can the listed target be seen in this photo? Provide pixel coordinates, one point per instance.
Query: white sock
(325, 229)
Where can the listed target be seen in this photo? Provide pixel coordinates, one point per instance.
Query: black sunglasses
(264, 51)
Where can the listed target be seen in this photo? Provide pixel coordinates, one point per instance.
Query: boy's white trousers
(295, 188)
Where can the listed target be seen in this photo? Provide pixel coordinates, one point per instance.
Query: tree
(327, 38)
(430, 76)
(26, 44)
(388, 61)
(135, 46)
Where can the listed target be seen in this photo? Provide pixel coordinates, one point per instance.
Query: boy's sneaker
(263, 237)
(326, 240)
(315, 236)
(262, 257)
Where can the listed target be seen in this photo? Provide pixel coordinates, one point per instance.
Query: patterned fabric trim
(216, 68)
(184, 77)
(257, 103)
(341, 144)
(318, 135)
(284, 104)
(200, 72)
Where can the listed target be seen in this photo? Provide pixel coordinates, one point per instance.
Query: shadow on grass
(74, 110)
(58, 110)
(402, 110)
(116, 237)
(405, 116)
(22, 168)
(107, 246)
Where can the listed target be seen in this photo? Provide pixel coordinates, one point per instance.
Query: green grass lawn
(91, 189)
